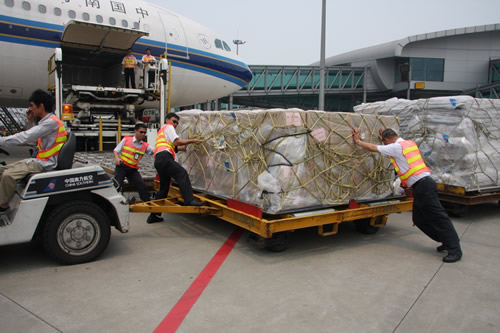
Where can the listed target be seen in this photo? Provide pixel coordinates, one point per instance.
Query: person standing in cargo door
(50, 136)
(128, 68)
(149, 73)
(128, 154)
(166, 143)
(428, 213)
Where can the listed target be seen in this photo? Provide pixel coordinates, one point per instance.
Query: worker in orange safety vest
(129, 63)
(149, 74)
(428, 213)
(50, 135)
(128, 153)
(168, 168)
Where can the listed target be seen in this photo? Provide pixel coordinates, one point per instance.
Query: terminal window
(495, 71)
(422, 69)
(427, 69)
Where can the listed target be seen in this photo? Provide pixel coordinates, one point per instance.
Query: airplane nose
(244, 74)
(247, 75)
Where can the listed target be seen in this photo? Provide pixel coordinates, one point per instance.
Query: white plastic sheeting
(285, 159)
(458, 136)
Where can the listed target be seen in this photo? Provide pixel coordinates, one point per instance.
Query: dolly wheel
(363, 226)
(455, 209)
(279, 242)
(76, 232)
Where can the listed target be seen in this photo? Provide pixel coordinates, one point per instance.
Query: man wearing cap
(428, 213)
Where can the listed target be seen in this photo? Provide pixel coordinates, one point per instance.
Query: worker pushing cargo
(428, 214)
(165, 146)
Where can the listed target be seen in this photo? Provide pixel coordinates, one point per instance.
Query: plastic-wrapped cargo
(458, 136)
(283, 160)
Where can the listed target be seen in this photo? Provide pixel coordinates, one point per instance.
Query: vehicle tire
(280, 242)
(363, 226)
(76, 232)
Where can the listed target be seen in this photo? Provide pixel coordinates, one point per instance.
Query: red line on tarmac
(180, 310)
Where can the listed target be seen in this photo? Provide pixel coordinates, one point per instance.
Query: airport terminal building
(443, 63)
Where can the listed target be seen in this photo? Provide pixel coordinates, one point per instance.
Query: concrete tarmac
(393, 281)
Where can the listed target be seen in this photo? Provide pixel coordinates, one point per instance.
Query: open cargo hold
(285, 160)
(458, 136)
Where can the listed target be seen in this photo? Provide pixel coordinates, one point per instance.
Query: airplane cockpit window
(9, 3)
(136, 25)
(99, 19)
(218, 44)
(86, 16)
(112, 21)
(226, 47)
(42, 9)
(124, 23)
(26, 5)
(71, 13)
(57, 11)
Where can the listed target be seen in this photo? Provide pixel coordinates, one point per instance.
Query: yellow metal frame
(271, 224)
(457, 190)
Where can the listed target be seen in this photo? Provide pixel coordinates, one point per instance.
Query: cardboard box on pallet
(285, 159)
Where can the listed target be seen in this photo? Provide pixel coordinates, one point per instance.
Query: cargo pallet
(456, 200)
(270, 231)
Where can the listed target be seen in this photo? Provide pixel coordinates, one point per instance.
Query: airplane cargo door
(99, 37)
(175, 37)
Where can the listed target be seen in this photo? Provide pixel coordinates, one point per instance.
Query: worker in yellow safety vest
(428, 213)
(149, 74)
(129, 63)
(165, 147)
(128, 154)
(50, 135)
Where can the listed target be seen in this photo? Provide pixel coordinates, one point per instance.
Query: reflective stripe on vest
(130, 155)
(162, 143)
(414, 159)
(149, 58)
(61, 138)
(129, 62)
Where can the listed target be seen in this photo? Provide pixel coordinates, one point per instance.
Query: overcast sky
(288, 32)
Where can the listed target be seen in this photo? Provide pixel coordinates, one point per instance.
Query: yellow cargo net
(285, 159)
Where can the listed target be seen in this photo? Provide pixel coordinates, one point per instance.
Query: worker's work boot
(152, 218)
(453, 257)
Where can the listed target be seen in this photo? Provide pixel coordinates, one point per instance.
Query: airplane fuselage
(203, 66)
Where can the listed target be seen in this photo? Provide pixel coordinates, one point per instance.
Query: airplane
(203, 66)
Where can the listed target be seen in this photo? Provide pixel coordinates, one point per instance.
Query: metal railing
(292, 80)
(13, 122)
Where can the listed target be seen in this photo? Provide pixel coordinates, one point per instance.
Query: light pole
(238, 42)
(321, 101)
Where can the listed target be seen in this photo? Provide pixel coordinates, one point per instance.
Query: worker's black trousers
(129, 77)
(167, 169)
(134, 177)
(430, 216)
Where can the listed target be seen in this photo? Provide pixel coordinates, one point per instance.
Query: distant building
(449, 62)
(463, 61)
